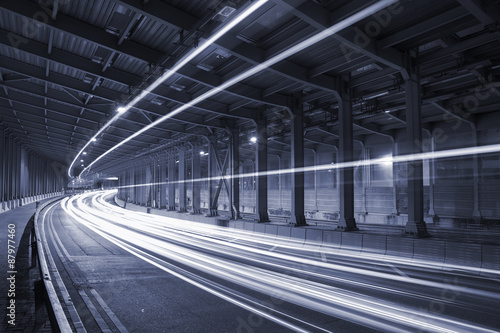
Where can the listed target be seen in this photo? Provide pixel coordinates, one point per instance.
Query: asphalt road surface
(125, 271)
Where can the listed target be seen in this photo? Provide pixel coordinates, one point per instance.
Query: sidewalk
(25, 277)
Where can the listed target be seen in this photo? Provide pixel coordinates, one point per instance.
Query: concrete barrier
(283, 232)
(490, 259)
(466, 254)
(314, 236)
(298, 235)
(248, 226)
(399, 246)
(259, 228)
(351, 241)
(271, 230)
(374, 243)
(332, 239)
(428, 249)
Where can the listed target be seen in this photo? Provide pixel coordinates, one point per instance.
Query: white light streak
(260, 67)
(169, 72)
(209, 249)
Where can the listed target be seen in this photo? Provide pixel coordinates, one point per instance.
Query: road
(125, 271)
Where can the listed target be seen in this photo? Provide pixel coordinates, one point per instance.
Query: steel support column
(297, 161)
(415, 225)
(261, 214)
(171, 181)
(163, 186)
(182, 179)
(235, 179)
(148, 185)
(395, 180)
(212, 177)
(196, 176)
(346, 175)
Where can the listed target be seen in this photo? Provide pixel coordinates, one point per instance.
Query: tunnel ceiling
(66, 65)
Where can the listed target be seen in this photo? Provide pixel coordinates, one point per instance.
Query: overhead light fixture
(202, 152)
(121, 109)
(94, 140)
(364, 13)
(186, 59)
(253, 139)
(81, 161)
(84, 153)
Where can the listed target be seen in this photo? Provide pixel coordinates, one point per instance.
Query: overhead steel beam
(485, 15)
(231, 44)
(71, 60)
(100, 92)
(126, 79)
(423, 27)
(28, 10)
(171, 16)
(321, 19)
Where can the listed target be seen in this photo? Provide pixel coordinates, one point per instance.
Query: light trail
(370, 10)
(248, 263)
(169, 72)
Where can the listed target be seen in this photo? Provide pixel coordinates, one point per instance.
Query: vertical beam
(476, 214)
(163, 186)
(140, 181)
(415, 225)
(366, 181)
(182, 179)
(280, 182)
(395, 180)
(148, 180)
(261, 214)
(346, 175)
(297, 161)
(196, 175)
(235, 166)
(17, 171)
(316, 178)
(212, 177)
(131, 182)
(432, 175)
(171, 181)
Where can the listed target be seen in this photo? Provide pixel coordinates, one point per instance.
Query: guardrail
(58, 320)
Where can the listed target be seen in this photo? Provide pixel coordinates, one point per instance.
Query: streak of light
(370, 10)
(169, 72)
(188, 243)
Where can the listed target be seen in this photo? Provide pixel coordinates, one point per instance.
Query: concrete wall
(457, 191)
(25, 177)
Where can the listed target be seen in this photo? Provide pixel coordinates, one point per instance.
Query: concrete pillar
(163, 184)
(366, 179)
(171, 181)
(148, 184)
(131, 181)
(297, 161)
(261, 214)
(346, 175)
(432, 179)
(212, 177)
(280, 183)
(196, 176)
(395, 180)
(415, 225)
(182, 179)
(476, 214)
(235, 179)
